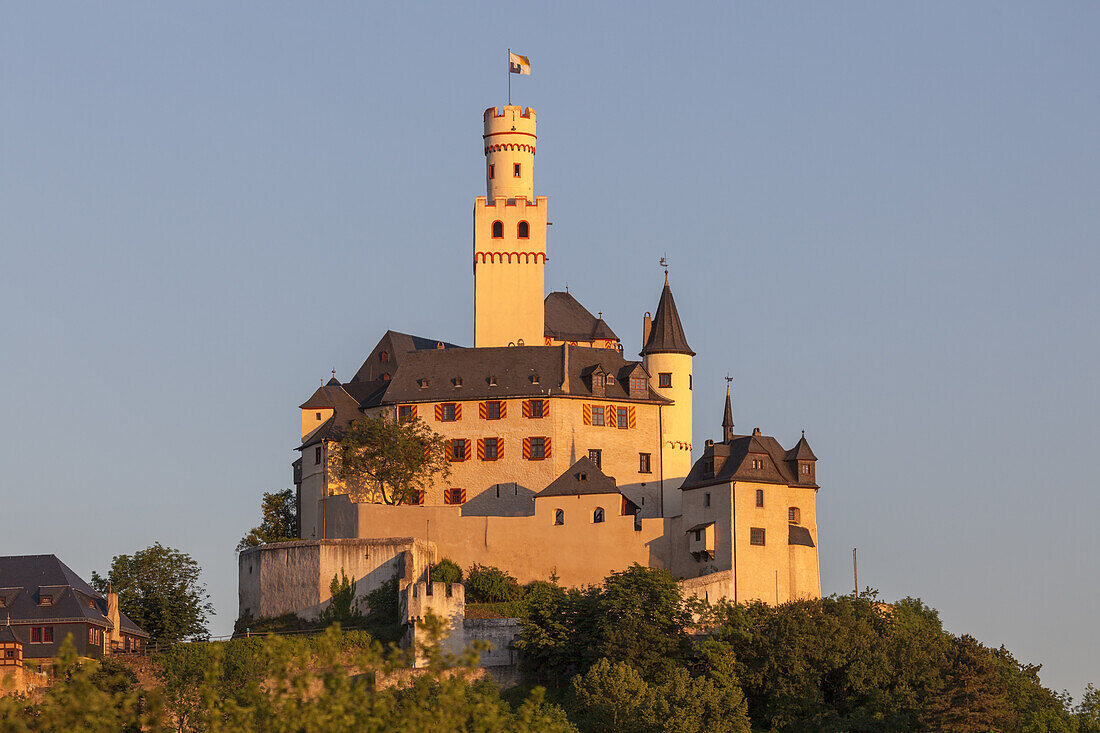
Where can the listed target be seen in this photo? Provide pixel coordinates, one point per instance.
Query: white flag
(518, 64)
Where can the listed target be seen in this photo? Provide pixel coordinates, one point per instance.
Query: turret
(668, 359)
(727, 419)
(509, 235)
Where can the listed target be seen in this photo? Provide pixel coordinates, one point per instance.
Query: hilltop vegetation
(631, 655)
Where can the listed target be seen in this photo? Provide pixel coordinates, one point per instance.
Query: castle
(567, 458)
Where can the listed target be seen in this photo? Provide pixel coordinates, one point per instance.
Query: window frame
(559, 517)
(498, 226)
(540, 454)
(452, 408)
(757, 533)
(622, 418)
(495, 442)
(523, 230)
(596, 456)
(645, 463)
(664, 380)
(759, 498)
(406, 413)
(492, 171)
(597, 416)
(517, 170)
(599, 516)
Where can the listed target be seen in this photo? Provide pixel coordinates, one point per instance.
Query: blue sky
(882, 220)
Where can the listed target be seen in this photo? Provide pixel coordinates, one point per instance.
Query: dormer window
(457, 381)
(383, 356)
(597, 381)
(425, 383)
(534, 379)
(45, 600)
(637, 384)
(492, 381)
(386, 377)
(805, 469)
(757, 463)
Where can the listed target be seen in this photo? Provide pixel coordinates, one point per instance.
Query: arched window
(523, 230)
(793, 515)
(759, 497)
(498, 229)
(597, 516)
(559, 516)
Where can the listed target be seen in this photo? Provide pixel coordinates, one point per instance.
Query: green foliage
(384, 458)
(445, 571)
(342, 607)
(279, 521)
(486, 584)
(1087, 711)
(159, 589)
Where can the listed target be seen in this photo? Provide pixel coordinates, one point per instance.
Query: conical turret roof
(666, 335)
(727, 419)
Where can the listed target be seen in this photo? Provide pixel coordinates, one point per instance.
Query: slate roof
(732, 462)
(801, 451)
(666, 334)
(7, 635)
(566, 319)
(332, 396)
(798, 535)
(583, 477)
(25, 578)
(513, 369)
(396, 345)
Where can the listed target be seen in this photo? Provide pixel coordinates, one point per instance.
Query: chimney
(756, 431)
(112, 616)
(647, 325)
(565, 367)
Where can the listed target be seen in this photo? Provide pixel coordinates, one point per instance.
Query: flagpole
(509, 77)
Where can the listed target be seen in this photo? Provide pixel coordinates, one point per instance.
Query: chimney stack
(647, 326)
(112, 616)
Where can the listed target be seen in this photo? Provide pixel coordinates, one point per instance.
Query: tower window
(559, 516)
(492, 170)
(664, 379)
(523, 230)
(597, 516)
(643, 463)
(515, 170)
(759, 497)
(317, 455)
(706, 499)
(318, 416)
(756, 536)
(596, 456)
(793, 515)
(498, 229)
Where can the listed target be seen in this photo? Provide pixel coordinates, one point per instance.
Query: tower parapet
(509, 152)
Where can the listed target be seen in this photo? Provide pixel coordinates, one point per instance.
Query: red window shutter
(481, 449)
(483, 410)
(611, 412)
(546, 449)
(413, 412)
(468, 450)
(633, 417)
(503, 410)
(500, 446)
(458, 411)
(439, 413)
(526, 448)
(527, 408)
(461, 496)
(546, 408)
(587, 414)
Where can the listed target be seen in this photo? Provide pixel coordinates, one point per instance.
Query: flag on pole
(518, 64)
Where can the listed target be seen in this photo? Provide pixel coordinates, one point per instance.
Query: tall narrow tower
(509, 235)
(668, 359)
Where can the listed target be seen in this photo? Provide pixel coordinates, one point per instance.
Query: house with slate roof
(568, 456)
(42, 601)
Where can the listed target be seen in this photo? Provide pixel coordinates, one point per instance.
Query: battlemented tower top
(509, 141)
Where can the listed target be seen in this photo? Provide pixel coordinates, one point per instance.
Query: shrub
(445, 571)
(485, 584)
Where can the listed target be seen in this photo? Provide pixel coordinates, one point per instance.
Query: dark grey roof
(333, 397)
(797, 535)
(430, 376)
(732, 462)
(7, 635)
(567, 320)
(396, 345)
(727, 418)
(583, 477)
(801, 450)
(666, 334)
(24, 579)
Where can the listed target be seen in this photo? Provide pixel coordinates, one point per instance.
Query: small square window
(664, 380)
(596, 456)
(596, 411)
(756, 536)
(793, 514)
(644, 463)
(515, 170)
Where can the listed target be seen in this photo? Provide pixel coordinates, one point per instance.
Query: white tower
(668, 359)
(509, 235)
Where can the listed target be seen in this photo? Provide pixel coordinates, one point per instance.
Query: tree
(159, 589)
(280, 520)
(385, 458)
(1088, 711)
(486, 584)
(445, 571)
(342, 608)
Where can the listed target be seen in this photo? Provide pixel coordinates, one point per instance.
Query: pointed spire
(666, 336)
(727, 419)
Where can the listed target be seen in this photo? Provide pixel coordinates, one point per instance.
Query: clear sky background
(882, 219)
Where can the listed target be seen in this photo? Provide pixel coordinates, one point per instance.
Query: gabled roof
(505, 372)
(395, 344)
(40, 575)
(334, 397)
(666, 334)
(565, 319)
(583, 477)
(732, 461)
